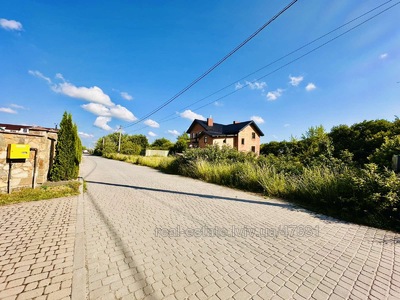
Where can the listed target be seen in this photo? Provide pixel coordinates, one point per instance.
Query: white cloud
(101, 122)
(383, 56)
(151, 133)
(257, 119)
(311, 86)
(188, 114)
(173, 132)
(126, 96)
(272, 96)
(91, 94)
(100, 103)
(17, 106)
(7, 110)
(218, 103)
(60, 76)
(85, 135)
(286, 125)
(116, 111)
(122, 113)
(97, 109)
(151, 123)
(39, 75)
(295, 81)
(10, 25)
(256, 85)
(238, 86)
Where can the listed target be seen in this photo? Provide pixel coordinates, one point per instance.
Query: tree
(316, 143)
(139, 139)
(129, 148)
(68, 151)
(130, 144)
(162, 144)
(362, 138)
(181, 143)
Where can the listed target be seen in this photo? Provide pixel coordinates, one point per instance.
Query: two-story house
(243, 136)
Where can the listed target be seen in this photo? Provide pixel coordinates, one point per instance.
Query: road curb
(79, 274)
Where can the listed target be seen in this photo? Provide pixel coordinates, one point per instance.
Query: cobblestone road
(37, 249)
(146, 238)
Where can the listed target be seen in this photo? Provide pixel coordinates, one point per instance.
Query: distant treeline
(358, 143)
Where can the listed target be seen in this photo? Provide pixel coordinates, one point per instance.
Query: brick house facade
(243, 136)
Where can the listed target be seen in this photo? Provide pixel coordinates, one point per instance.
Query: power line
(288, 63)
(215, 65)
(305, 54)
(283, 57)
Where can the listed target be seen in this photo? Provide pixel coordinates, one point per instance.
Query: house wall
(203, 143)
(21, 173)
(246, 133)
(220, 142)
(196, 130)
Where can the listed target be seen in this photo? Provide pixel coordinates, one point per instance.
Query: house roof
(224, 130)
(16, 127)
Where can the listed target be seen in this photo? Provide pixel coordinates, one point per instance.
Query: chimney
(236, 122)
(210, 122)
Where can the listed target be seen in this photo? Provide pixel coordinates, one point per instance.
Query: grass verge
(43, 192)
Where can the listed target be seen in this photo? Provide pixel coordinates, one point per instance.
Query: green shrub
(383, 155)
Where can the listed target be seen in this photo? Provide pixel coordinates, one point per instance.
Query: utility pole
(119, 140)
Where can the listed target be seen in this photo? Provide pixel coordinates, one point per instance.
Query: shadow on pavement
(287, 206)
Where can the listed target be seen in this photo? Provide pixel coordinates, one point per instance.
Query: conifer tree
(68, 151)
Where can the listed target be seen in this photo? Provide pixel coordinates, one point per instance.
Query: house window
(253, 149)
(242, 141)
(253, 135)
(224, 141)
(205, 139)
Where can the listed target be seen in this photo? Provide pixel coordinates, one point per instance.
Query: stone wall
(22, 171)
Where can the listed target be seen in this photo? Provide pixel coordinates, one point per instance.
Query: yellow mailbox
(18, 151)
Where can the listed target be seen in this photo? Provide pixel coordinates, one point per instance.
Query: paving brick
(61, 294)
(36, 277)
(13, 283)
(11, 291)
(31, 286)
(31, 294)
(52, 288)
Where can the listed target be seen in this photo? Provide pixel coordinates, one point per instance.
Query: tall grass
(274, 183)
(319, 184)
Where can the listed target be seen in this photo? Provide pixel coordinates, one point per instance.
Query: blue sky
(110, 63)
